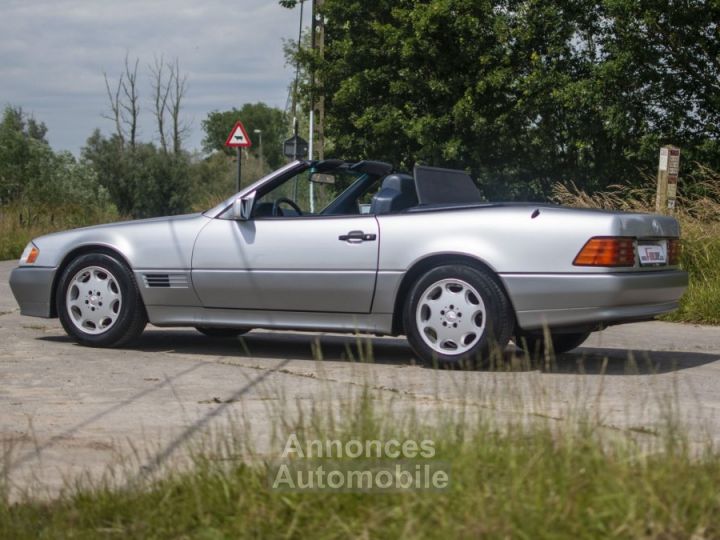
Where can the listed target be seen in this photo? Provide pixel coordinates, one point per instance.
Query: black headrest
(404, 183)
(396, 194)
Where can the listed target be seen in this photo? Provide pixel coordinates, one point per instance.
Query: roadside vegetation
(42, 191)
(524, 477)
(698, 210)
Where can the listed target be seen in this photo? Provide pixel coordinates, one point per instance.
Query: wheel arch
(74, 254)
(432, 261)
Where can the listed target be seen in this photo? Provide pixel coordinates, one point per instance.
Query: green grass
(701, 259)
(540, 479)
(19, 224)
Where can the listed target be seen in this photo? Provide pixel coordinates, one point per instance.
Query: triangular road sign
(238, 137)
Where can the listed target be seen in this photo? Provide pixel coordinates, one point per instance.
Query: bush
(143, 181)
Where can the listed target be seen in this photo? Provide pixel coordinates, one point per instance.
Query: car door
(325, 264)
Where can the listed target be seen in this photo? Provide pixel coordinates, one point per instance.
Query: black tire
(219, 332)
(498, 316)
(131, 316)
(535, 343)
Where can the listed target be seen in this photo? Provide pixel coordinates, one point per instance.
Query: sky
(53, 54)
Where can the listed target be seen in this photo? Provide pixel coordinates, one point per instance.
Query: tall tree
(22, 140)
(161, 94)
(521, 92)
(270, 121)
(131, 105)
(124, 103)
(178, 87)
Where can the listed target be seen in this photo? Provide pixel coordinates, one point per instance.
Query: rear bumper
(556, 300)
(32, 288)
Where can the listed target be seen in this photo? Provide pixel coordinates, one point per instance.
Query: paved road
(66, 410)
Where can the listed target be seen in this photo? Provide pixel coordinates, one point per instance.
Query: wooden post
(667, 179)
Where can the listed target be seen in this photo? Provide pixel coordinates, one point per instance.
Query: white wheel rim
(451, 316)
(93, 300)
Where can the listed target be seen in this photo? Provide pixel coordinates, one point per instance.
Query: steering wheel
(276, 211)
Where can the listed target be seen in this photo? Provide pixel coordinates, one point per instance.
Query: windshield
(335, 192)
(312, 196)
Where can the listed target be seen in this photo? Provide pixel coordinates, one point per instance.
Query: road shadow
(396, 351)
(599, 361)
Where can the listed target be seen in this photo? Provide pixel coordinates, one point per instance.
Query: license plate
(655, 253)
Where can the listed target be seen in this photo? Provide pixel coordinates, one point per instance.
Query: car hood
(164, 242)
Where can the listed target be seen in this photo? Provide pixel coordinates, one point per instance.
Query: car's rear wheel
(218, 332)
(456, 313)
(538, 343)
(98, 301)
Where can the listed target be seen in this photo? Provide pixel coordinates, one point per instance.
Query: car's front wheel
(98, 301)
(455, 313)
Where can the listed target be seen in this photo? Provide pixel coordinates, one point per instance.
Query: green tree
(35, 176)
(143, 181)
(521, 93)
(21, 139)
(270, 120)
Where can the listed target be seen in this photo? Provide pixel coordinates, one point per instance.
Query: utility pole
(318, 46)
(295, 84)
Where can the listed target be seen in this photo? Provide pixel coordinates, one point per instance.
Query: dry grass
(21, 223)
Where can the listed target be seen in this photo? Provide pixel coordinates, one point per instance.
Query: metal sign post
(239, 169)
(668, 170)
(238, 139)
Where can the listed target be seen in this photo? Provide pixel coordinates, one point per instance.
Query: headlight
(29, 254)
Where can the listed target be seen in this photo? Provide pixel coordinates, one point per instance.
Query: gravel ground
(68, 412)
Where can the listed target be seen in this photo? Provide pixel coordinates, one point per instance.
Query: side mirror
(243, 206)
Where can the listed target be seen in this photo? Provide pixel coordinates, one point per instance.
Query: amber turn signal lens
(604, 251)
(33, 255)
(674, 248)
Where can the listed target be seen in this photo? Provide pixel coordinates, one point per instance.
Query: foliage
(523, 93)
(20, 223)
(143, 180)
(33, 175)
(22, 140)
(270, 120)
(213, 178)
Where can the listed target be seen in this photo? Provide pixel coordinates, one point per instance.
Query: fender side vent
(173, 281)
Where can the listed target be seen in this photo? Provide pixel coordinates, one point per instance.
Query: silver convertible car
(357, 247)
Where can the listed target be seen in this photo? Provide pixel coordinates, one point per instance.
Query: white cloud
(53, 54)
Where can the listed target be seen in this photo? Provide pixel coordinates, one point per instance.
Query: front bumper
(557, 300)
(32, 288)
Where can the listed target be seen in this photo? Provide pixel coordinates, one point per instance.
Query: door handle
(356, 237)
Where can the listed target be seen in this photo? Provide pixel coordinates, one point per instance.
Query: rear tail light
(607, 251)
(674, 248)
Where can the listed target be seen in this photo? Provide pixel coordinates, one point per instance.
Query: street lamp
(259, 132)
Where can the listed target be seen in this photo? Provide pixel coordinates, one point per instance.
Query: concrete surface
(68, 411)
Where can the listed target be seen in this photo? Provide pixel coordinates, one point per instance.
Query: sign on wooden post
(668, 170)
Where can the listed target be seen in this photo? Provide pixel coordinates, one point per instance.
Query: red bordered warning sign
(238, 137)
